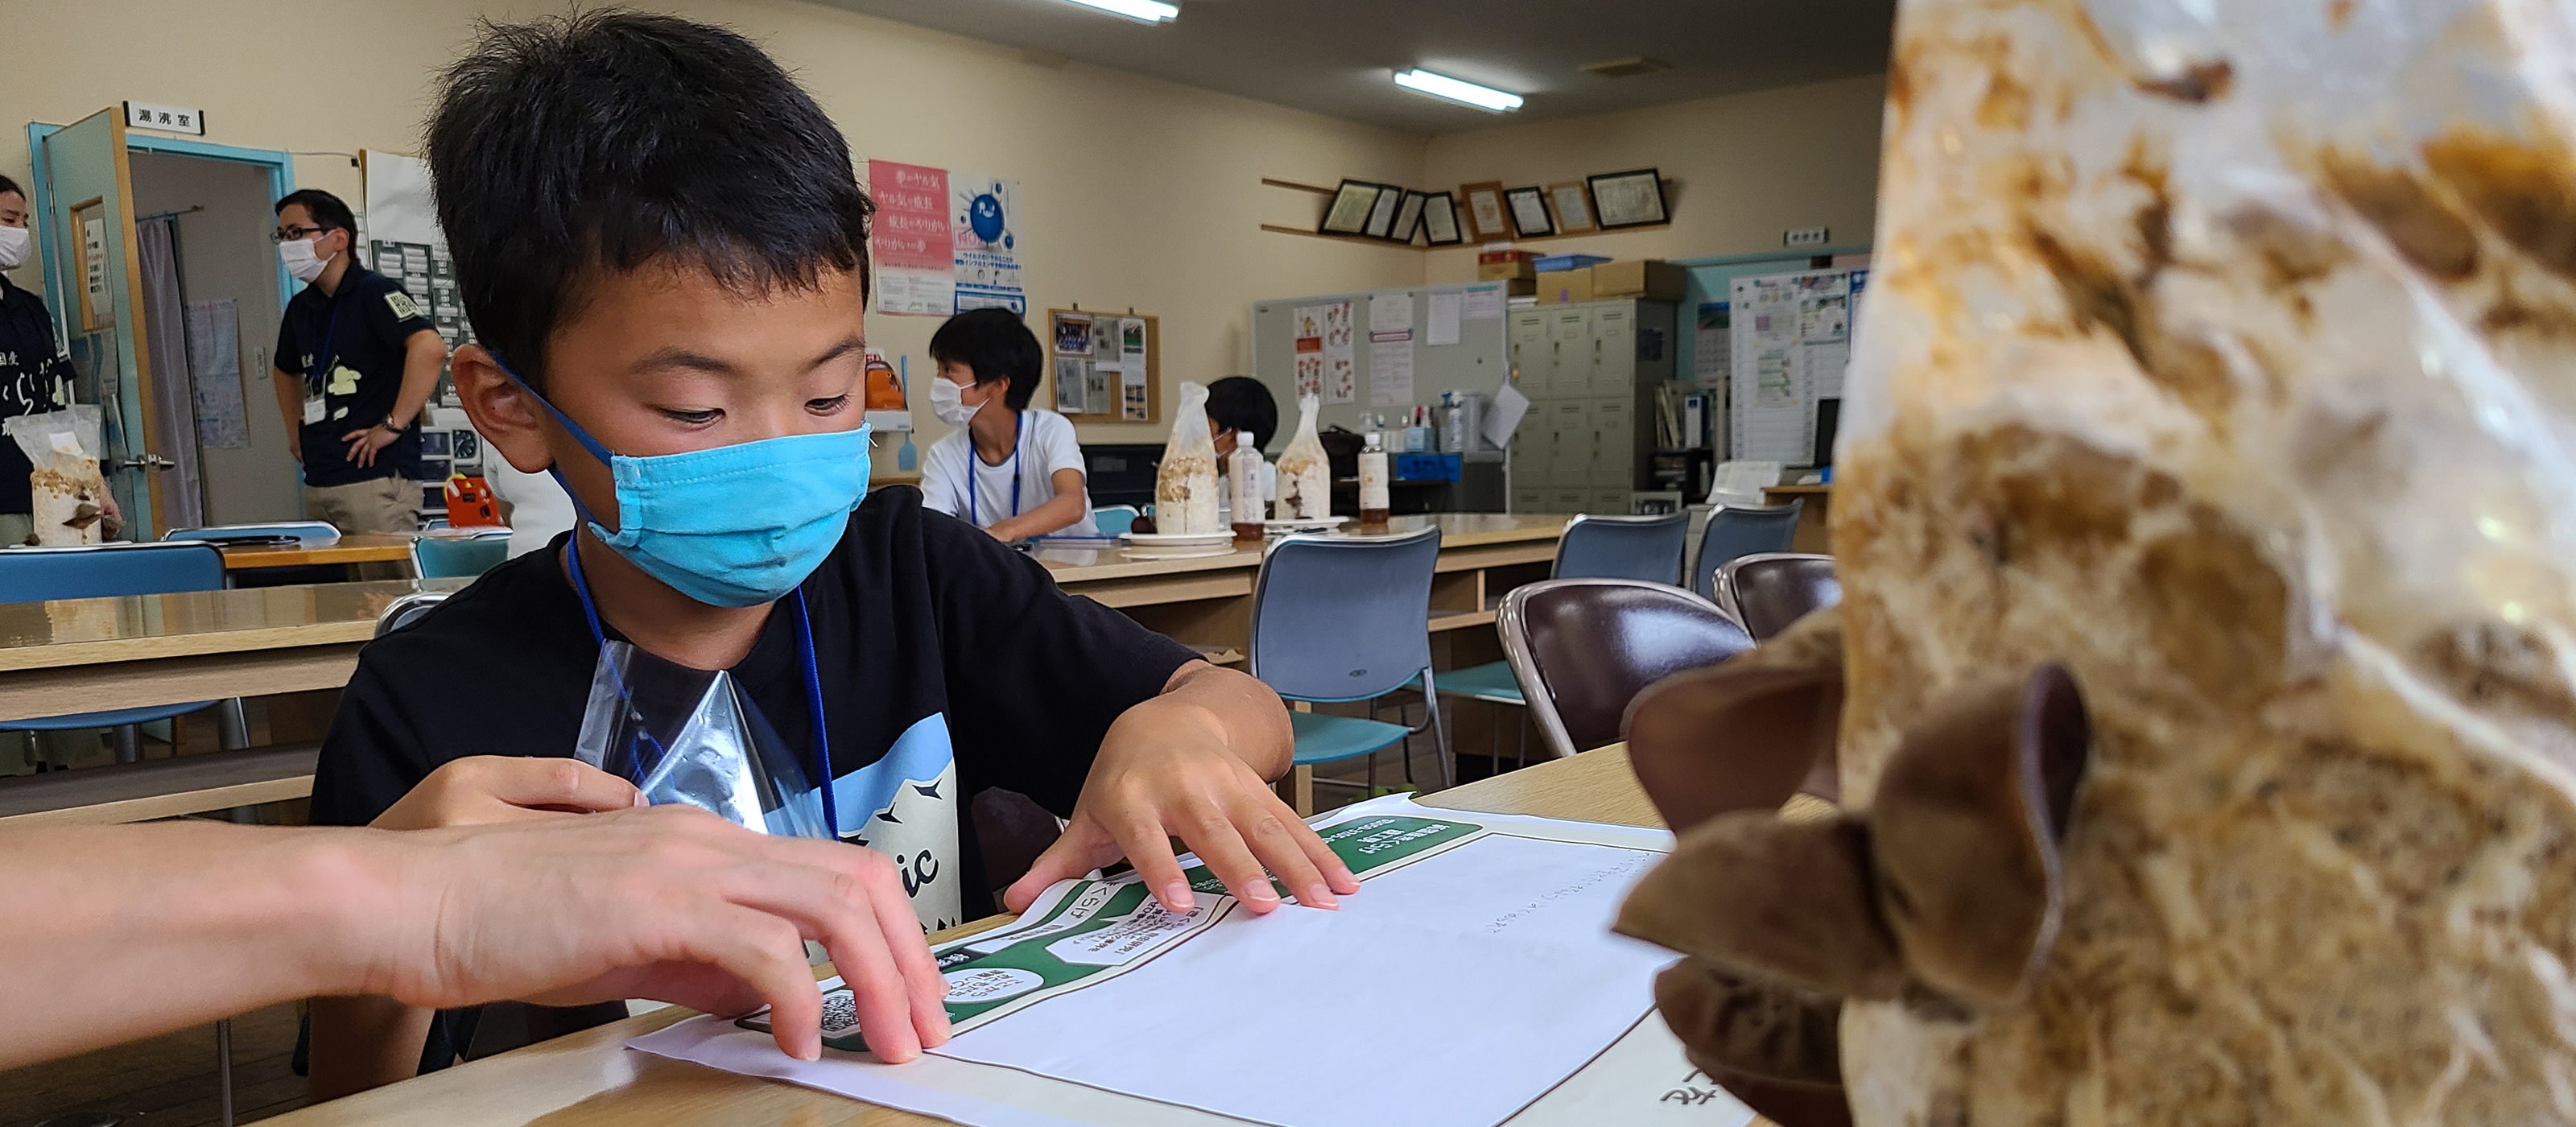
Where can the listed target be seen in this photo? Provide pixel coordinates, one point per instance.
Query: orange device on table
(470, 503)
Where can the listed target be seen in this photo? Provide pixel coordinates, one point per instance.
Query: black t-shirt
(928, 634)
(34, 378)
(375, 320)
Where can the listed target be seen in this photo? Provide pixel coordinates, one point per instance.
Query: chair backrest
(1735, 531)
(31, 575)
(459, 557)
(408, 609)
(1620, 547)
(299, 529)
(1767, 592)
(1583, 648)
(1339, 618)
(1114, 520)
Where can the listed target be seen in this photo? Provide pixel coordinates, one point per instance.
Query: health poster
(1099, 1006)
(912, 240)
(1341, 370)
(984, 232)
(1309, 323)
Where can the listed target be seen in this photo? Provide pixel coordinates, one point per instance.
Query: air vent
(1627, 68)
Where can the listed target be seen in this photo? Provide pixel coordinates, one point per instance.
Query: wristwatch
(387, 425)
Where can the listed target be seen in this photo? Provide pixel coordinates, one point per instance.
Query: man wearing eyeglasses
(356, 362)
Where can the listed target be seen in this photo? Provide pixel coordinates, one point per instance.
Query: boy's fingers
(1149, 849)
(1337, 872)
(1072, 856)
(1277, 847)
(924, 987)
(1213, 836)
(552, 783)
(768, 953)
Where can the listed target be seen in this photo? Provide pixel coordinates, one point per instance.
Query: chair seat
(1491, 682)
(110, 719)
(1325, 739)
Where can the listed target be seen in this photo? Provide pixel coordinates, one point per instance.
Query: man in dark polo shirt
(356, 362)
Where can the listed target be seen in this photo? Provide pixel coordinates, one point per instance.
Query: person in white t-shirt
(538, 508)
(1008, 469)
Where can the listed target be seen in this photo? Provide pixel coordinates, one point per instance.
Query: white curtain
(174, 400)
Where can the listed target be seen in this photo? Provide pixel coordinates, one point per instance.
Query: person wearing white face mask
(356, 362)
(1010, 470)
(35, 377)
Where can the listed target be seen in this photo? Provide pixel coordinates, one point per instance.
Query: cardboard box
(1563, 287)
(1521, 287)
(1640, 277)
(1504, 265)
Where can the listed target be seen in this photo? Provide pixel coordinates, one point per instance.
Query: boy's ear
(504, 413)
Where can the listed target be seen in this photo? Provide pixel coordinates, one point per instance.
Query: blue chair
(1347, 618)
(1735, 531)
(1114, 520)
(218, 533)
(1620, 547)
(459, 557)
(108, 570)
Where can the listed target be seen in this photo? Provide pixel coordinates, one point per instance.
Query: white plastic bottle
(1373, 497)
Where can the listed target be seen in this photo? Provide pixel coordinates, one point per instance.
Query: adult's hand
(480, 790)
(363, 444)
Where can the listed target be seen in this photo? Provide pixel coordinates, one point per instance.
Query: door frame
(281, 179)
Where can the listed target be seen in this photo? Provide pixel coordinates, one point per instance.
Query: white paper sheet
(1260, 1019)
(1390, 372)
(1485, 303)
(1446, 309)
(1505, 417)
(1390, 312)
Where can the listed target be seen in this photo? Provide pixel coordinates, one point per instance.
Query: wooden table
(1812, 535)
(590, 1078)
(82, 655)
(354, 548)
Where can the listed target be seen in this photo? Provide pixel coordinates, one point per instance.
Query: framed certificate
(1573, 203)
(1628, 199)
(1349, 213)
(1408, 217)
(1440, 220)
(1381, 220)
(1483, 215)
(1529, 212)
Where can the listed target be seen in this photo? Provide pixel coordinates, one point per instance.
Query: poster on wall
(912, 239)
(984, 230)
(1309, 323)
(1341, 371)
(1790, 338)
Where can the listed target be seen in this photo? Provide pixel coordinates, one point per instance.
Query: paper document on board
(1099, 1007)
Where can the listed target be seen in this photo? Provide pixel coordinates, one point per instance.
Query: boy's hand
(483, 789)
(669, 903)
(1164, 771)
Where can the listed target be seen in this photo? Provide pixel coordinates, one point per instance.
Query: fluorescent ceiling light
(1443, 86)
(1148, 11)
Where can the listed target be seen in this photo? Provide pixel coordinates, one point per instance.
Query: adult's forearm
(119, 932)
(1255, 723)
(421, 364)
(290, 399)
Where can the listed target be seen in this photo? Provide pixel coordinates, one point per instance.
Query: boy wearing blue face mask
(662, 248)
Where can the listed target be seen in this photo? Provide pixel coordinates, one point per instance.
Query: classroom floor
(169, 1080)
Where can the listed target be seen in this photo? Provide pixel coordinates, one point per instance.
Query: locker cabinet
(1590, 370)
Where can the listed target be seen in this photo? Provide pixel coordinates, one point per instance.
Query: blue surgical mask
(735, 526)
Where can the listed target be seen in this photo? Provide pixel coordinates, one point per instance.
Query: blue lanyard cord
(1019, 436)
(813, 680)
(318, 377)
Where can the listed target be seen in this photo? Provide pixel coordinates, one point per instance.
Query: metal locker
(1569, 331)
(1614, 350)
(1614, 426)
(1611, 501)
(1531, 354)
(1529, 500)
(1570, 420)
(1568, 501)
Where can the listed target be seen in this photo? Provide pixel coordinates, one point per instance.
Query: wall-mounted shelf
(1318, 189)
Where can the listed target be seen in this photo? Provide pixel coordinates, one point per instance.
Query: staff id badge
(312, 409)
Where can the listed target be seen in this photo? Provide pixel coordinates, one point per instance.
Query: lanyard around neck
(317, 378)
(975, 461)
(805, 646)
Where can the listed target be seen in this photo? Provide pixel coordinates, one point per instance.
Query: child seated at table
(662, 247)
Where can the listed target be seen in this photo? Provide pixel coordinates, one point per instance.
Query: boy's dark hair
(1242, 403)
(574, 146)
(326, 209)
(8, 185)
(996, 346)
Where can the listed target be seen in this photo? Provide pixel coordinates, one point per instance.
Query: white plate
(1169, 540)
(1178, 553)
(1304, 524)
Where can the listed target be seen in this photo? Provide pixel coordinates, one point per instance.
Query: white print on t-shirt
(905, 806)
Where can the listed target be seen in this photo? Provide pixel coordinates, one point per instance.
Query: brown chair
(1582, 648)
(1768, 591)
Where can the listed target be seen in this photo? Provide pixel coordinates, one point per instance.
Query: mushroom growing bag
(2220, 363)
(1185, 496)
(1305, 471)
(69, 493)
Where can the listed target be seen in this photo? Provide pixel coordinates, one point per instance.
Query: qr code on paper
(840, 1012)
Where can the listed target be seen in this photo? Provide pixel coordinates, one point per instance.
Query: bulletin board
(1103, 366)
(1380, 351)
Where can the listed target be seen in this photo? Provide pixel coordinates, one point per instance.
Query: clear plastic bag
(70, 494)
(692, 737)
(1185, 496)
(1305, 473)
